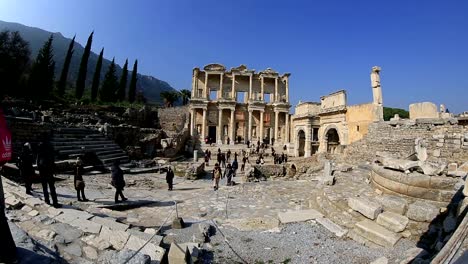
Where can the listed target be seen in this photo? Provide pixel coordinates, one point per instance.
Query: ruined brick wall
(173, 120)
(446, 141)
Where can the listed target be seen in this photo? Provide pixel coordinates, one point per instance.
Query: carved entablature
(269, 72)
(214, 67)
(242, 70)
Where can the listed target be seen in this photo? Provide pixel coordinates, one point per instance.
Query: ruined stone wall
(173, 120)
(446, 141)
(359, 117)
(25, 130)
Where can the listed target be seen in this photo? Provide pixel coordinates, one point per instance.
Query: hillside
(36, 37)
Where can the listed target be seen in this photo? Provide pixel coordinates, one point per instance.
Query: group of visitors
(230, 168)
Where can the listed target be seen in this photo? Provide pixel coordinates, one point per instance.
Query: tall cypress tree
(97, 77)
(41, 79)
(123, 83)
(109, 85)
(66, 66)
(133, 81)
(81, 80)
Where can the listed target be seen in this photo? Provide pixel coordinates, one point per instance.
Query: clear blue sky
(422, 46)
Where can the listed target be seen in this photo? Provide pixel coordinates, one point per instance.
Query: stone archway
(332, 139)
(301, 143)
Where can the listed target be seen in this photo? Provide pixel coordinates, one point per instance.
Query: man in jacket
(118, 181)
(169, 178)
(46, 164)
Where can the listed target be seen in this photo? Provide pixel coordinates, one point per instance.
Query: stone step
(84, 146)
(96, 149)
(332, 227)
(112, 155)
(105, 152)
(299, 216)
(121, 159)
(81, 142)
(376, 233)
(75, 130)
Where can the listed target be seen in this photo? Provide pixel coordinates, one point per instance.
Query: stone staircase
(70, 143)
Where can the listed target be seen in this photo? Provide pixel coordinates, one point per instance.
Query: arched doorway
(333, 140)
(301, 143)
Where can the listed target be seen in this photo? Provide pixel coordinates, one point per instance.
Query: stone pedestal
(195, 155)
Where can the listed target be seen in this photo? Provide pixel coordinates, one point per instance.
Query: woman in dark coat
(118, 181)
(169, 178)
(78, 181)
(25, 165)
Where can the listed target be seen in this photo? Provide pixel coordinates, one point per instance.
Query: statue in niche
(375, 82)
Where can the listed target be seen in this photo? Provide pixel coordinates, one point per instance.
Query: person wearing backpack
(216, 176)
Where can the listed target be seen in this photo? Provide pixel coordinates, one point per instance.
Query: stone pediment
(242, 69)
(269, 72)
(214, 67)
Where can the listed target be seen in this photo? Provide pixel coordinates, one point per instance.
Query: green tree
(14, 62)
(81, 79)
(66, 66)
(390, 112)
(109, 85)
(41, 80)
(169, 97)
(97, 77)
(123, 83)
(185, 95)
(133, 82)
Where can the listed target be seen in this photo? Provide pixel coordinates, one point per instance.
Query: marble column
(206, 86)
(249, 132)
(220, 127)
(192, 122)
(276, 90)
(287, 89)
(203, 125)
(263, 88)
(307, 147)
(276, 126)
(261, 126)
(286, 136)
(232, 128)
(221, 95)
(250, 86)
(233, 89)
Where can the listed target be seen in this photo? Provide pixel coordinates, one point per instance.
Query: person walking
(78, 181)
(25, 164)
(228, 174)
(235, 166)
(46, 164)
(228, 155)
(169, 178)
(118, 182)
(216, 176)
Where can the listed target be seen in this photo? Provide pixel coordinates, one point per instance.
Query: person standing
(228, 155)
(25, 165)
(46, 164)
(235, 166)
(228, 173)
(78, 181)
(118, 182)
(216, 176)
(169, 178)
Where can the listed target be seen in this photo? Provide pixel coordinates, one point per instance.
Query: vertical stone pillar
(262, 113)
(276, 90)
(206, 85)
(203, 125)
(233, 91)
(192, 122)
(249, 132)
(220, 127)
(232, 128)
(286, 131)
(250, 86)
(193, 86)
(287, 89)
(276, 126)
(221, 77)
(307, 147)
(263, 88)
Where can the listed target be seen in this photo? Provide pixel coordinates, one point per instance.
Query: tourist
(244, 160)
(262, 160)
(78, 180)
(216, 176)
(235, 155)
(228, 155)
(228, 140)
(228, 173)
(285, 148)
(209, 154)
(223, 160)
(169, 178)
(207, 159)
(248, 143)
(46, 164)
(235, 166)
(118, 181)
(25, 164)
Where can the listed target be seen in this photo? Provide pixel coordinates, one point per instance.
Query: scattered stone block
(392, 221)
(381, 260)
(332, 227)
(156, 239)
(422, 211)
(376, 233)
(90, 253)
(464, 167)
(150, 231)
(113, 257)
(69, 215)
(33, 201)
(298, 216)
(53, 212)
(394, 204)
(33, 213)
(117, 238)
(26, 209)
(178, 223)
(13, 203)
(423, 110)
(328, 180)
(86, 226)
(155, 252)
(457, 173)
(193, 249)
(110, 223)
(46, 234)
(452, 167)
(436, 153)
(178, 254)
(73, 249)
(366, 207)
(65, 231)
(96, 242)
(205, 229)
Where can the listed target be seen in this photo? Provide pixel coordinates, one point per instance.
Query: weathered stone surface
(33, 213)
(155, 252)
(366, 207)
(331, 226)
(156, 239)
(299, 216)
(464, 167)
(68, 233)
(113, 257)
(178, 254)
(117, 238)
(86, 226)
(33, 201)
(393, 203)
(69, 215)
(422, 211)
(73, 249)
(423, 110)
(110, 223)
(46, 234)
(178, 223)
(381, 260)
(392, 221)
(452, 167)
(465, 189)
(96, 242)
(376, 233)
(398, 164)
(328, 180)
(53, 212)
(13, 203)
(193, 249)
(412, 254)
(90, 253)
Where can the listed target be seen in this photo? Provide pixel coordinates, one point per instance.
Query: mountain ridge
(150, 85)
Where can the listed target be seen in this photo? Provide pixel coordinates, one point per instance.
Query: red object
(5, 140)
